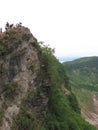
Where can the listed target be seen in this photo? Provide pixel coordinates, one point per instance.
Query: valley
(83, 77)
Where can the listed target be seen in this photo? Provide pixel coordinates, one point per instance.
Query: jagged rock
(15, 67)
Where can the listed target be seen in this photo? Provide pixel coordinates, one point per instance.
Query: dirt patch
(91, 116)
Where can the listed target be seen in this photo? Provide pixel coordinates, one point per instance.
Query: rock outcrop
(19, 72)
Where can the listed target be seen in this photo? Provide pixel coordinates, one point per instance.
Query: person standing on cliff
(0, 30)
(7, 26)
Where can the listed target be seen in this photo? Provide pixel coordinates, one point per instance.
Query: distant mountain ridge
(65, 59)
(85, 59)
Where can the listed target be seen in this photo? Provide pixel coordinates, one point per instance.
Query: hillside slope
(83, 75)
(34, 90)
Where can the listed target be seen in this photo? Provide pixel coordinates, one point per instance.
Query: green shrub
(9, 41)
(25, 122)
(74, 103)
(11, 90)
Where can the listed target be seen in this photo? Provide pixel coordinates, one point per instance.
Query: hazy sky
(69, 26)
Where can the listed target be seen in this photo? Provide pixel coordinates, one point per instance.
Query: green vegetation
(84, 98)
(83, 73)
(25, 121)
(73, 103)
(11, 90)
(63, 111)
(9, 41)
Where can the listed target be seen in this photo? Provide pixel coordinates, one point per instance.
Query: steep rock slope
(17, 56)
(34, 90)
(83, 74)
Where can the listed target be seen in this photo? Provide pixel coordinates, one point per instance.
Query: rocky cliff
(34, 90)
(19, 72)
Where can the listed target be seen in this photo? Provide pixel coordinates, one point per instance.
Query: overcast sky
(69, 26)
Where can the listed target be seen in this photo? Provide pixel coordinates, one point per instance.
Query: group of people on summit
(10, 26)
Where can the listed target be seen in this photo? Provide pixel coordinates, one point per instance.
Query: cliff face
(19, 72)
(34, 90)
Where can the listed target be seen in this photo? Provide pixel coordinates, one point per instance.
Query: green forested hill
(84, 72)
(83, 76)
